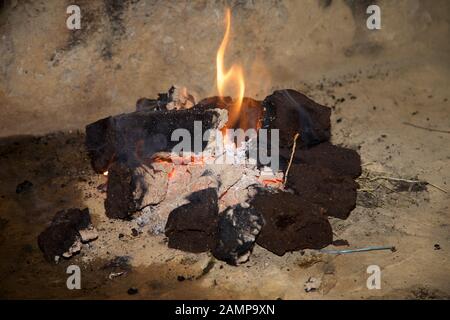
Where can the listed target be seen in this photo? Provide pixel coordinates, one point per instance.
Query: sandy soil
(370, 119)
(54, 82)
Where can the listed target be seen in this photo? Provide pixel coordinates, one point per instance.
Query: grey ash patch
(118, 264)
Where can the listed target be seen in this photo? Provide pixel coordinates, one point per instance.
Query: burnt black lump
(132, 291)
(343, 161)
(238, 228)
(291, 223)
(24, 187)
(335, 193)
(192, 227)
(63, 232)
(291, 112)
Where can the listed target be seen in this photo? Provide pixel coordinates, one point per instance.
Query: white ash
(237, 231)
(180, 98)
(75, 248)
(88, 234)
(224, 167)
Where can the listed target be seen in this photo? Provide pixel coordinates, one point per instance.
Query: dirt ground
(370, 119)
(372, 96)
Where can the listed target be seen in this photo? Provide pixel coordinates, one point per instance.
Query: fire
(105, 173)
(234, 77)
(171, 173)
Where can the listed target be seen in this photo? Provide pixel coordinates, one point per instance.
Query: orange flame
(234, 77)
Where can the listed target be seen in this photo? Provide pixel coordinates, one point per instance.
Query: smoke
(308, 133)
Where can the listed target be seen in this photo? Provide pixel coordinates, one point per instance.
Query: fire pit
(223, 174)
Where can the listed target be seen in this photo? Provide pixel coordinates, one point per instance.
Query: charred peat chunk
(175, 98)
(343, 161)
(133, 186)
(292, 112)
(66, 232)
(141, 134)
(325, 188)
(291, 223)
(237, 231)
(250, 114)
(100, 144)
(215, 102)
(193, 227)
(144, 104)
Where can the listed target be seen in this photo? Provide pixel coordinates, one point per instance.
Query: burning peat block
(325, 188)
(291, 223)
(292, 112)
(131, 187)
(177, 98)
(203, 204)
(343, 161)
(192, 227)
(250, 114)
(237, 231)
(141, 134)
(68, 229)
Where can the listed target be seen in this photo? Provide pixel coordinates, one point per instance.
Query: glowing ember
(276, 182)
(171, 173)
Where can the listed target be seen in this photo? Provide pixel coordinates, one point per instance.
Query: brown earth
(375, 82)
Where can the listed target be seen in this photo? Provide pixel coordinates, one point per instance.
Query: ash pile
(218, 198)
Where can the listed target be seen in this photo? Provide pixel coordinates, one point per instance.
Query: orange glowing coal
(230, 79)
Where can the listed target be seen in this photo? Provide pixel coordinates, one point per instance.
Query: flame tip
(233, 76)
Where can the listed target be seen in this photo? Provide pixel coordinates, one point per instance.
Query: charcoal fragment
(192, 227)
(62, 237)
(24, 187)
(292, 112)
(237, 231)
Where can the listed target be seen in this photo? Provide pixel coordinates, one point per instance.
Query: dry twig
(408, 181)
(290, 160)
(425, 128)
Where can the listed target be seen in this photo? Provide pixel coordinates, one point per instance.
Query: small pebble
(23, 187)
(132, 291)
